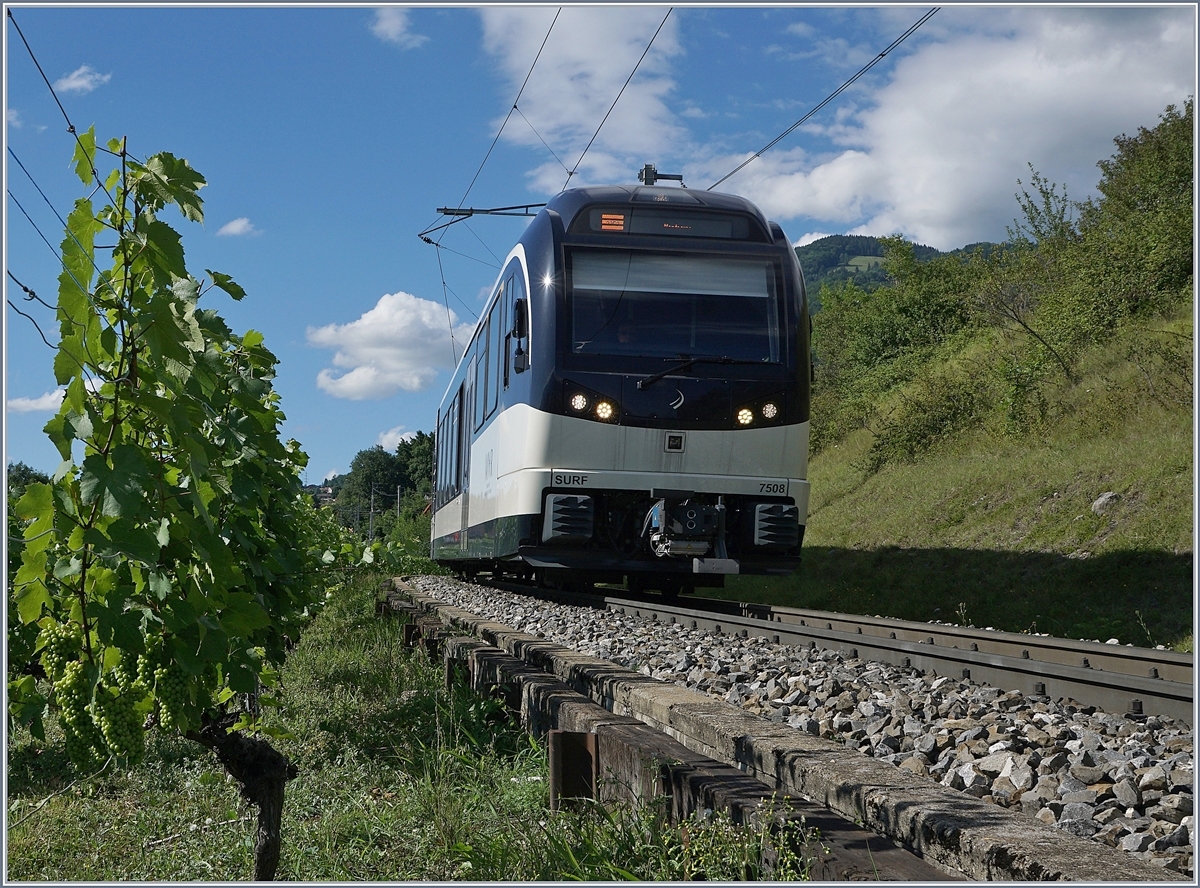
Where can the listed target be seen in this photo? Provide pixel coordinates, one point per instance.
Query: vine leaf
(226, 283)
(85, 154)
(169, 179)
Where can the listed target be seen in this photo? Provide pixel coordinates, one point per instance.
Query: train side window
(449, 472)
(493, 358)
(469, 396)
(520, 326)
(480, 374)
(438, 442)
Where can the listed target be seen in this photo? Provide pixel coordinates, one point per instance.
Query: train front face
(669, 435)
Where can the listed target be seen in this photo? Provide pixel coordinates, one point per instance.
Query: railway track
(946, 798)
(1119, 679)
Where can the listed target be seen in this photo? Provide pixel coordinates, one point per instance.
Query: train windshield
(639, 302)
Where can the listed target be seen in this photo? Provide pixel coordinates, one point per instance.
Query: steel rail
(1136, 682)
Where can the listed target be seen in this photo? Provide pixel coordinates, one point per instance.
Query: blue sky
(329, 136)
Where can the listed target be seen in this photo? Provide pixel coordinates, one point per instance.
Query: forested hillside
(1008, 433)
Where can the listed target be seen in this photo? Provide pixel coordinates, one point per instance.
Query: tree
(171, 559)
(416, 455)
(1138, 234)
(372, 471)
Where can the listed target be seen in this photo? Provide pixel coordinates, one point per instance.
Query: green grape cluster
(170, 686)
(85, 743)
(115, 715)
(62, 647)
(145, 670)
(126, 671)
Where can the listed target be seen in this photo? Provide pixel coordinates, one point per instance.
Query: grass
(399, 779)
(1000, 527)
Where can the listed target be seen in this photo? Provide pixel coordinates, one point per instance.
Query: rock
(1107, 816)
(1087, 773)
(1021, 777)
(1136, 842)
(917, 766)
(1104, 501)
(1030, 805)
(1112, 833)
(1070, 784)
(1052, 763)
(1152, 778)
(1083, 828)
(1171, 808)
(1046, 816)
(1077, 811)
(992, 765)
(1175, 839)
(1084, 796)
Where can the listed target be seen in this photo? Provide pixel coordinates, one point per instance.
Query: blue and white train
(633, 405)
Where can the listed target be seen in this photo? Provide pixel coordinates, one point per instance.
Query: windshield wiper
(653, 378)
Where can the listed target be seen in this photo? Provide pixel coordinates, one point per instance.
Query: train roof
(569, 203)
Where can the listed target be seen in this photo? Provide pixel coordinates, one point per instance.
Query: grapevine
(172, 559)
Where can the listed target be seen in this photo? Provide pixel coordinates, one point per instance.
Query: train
(633, 405)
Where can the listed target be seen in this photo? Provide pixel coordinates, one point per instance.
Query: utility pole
(397, 502)
(371, 518)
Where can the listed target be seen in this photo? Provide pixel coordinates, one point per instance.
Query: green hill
(839, 258)
(1004, 437)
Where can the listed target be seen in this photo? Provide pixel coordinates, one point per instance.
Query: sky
(329, 136)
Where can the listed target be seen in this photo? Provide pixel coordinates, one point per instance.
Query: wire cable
(70, 126)
(30, 296)
(514, 108)
(539, 135)
(62, 221)
(485, 246)
(572, 172)
(446, 300)
(926, 17)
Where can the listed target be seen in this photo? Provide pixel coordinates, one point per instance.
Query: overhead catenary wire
(543, 141)
(481, 240)
(871, 64)
(520, 92)
(573, 171)
(474, 179)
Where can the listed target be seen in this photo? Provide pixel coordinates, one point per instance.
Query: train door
(465, 426)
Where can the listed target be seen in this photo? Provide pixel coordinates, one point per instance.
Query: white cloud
(935, 153)
(237, 228)
(401, 343)
(579, 74)
(13, 118)
(82, 80)
(391, 25)
(930, 144)
(331, 473)
(391, 439)
(50, 401)
(810, 237)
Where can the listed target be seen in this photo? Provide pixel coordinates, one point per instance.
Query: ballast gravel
(1127, 782)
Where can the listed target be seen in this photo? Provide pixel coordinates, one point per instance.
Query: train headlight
(769, 410)
(745, 416)
(584, 403)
